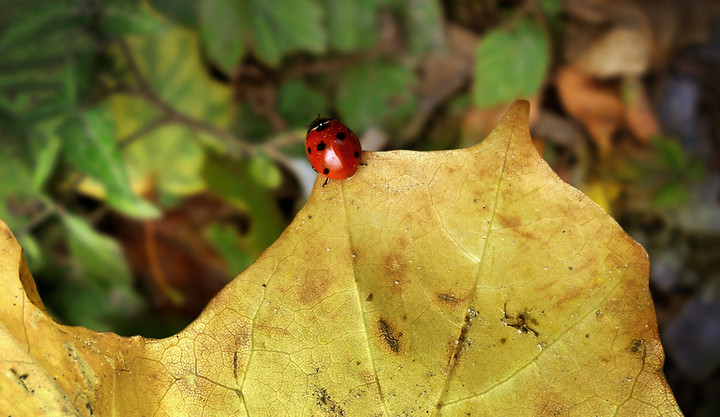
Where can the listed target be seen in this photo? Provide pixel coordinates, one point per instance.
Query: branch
(234, 145)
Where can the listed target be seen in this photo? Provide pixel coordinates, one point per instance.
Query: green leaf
(120, 18)
(170, 157)
(90, 145)
(98, 257)
(16, 186)
(227, 241)
(375, 93)
(695, 170)
(265, 172)
(425, 25)
(46, 148)
(43, 50)
(100, 308)
(299, 104)
(670, 194)
(14, 170)
(272, 28)
(222, 32)
(31, 251)
(510, 65)
(104, 292)
(671, 152)
(182, 12)
(38, 90)
(250, 126)
(39, 22)
(284, 26)
(171, 62)
(550, 7)
(233, 181)
(133, 206)
(352, 24)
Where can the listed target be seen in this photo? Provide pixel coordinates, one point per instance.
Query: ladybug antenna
(308, 126)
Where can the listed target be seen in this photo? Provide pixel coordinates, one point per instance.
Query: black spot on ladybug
(320, 146)
(326, 171)
(340, 136)
(357, 154)
(309, 150)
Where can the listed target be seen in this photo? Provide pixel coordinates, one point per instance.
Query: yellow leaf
(470, 282)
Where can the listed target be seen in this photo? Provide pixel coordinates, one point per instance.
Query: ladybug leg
(326, 181)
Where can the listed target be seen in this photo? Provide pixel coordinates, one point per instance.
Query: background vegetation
(150, 151)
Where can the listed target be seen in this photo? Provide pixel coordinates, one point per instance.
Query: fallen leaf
(595, 104)
(466, 282)
(639, 114)
(618, 41)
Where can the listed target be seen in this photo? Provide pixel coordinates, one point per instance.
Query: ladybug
(332, 148)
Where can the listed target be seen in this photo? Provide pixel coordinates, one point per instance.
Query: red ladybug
(332, 148)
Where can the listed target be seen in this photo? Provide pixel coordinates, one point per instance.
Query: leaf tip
(519, 108)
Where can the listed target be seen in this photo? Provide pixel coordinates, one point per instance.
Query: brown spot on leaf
(522, 321)
(388, 339)
(370, 297)
(20, 380)
(313, 288)
(636, 345)
(235, 365)
(508, 221)
(396, 267)
(272, 330)
(448, 299)
(459, 345)
(327, 404)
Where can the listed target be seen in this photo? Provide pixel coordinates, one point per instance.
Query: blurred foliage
(126, 125)
(511, 64)
(122, 110)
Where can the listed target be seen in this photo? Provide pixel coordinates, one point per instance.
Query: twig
(234, 145)
(35, 221)
(143, 131)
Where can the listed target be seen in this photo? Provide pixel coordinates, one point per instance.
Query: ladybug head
(317, 123)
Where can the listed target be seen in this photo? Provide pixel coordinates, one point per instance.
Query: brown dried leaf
(639, 115)
(623, 48)
(596, 105)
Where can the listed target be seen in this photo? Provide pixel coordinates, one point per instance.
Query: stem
(234, 145)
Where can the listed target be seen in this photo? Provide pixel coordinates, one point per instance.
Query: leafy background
(152, 150)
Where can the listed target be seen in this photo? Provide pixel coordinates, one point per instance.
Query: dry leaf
(469, 282)
(639, 114)
(594, 104)
(624, 48)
